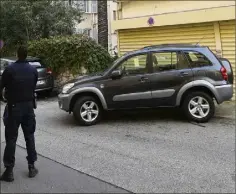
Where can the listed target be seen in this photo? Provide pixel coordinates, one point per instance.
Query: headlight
(67, 87)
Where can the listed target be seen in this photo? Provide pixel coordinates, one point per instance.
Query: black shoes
(32, 171)
(7, 175)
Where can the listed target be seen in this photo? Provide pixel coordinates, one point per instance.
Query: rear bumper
(48, 84)
(224, 93)
(64, 102)
(43, 89)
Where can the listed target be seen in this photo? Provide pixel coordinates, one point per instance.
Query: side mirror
(116, 74)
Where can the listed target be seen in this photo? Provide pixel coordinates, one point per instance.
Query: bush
(71, 53)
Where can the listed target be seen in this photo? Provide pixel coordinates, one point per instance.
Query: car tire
(199, 107)
(87, 111)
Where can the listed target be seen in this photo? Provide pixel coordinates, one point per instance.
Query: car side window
(182, 62)
(197, 59)
(164, 61)
(135, 65)
(3, 64)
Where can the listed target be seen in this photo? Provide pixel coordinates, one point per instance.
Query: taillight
(224, 73)
(49, 71)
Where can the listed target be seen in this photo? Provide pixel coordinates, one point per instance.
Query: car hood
(85, 78)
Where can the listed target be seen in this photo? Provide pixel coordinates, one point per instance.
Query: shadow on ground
(42, 96)
(145, 115)
(170, 114)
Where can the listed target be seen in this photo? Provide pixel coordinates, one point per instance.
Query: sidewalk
(52, 178)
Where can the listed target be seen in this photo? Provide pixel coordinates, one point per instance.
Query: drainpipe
(109, 25)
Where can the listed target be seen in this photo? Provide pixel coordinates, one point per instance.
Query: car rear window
(36, 64)
(3, 64)
(197, 59)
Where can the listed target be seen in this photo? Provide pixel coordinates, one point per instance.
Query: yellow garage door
(134, 39)
(227, 32)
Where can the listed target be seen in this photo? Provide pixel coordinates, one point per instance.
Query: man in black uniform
(19, 80)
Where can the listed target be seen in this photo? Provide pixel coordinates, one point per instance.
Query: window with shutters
(86, 6)
(79, 31)
(87, 31)
(95, 34)
(94, 7)
(114, 15)
(90, 6)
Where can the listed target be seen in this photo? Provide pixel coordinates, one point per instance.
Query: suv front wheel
(87, 110)
(199, 107)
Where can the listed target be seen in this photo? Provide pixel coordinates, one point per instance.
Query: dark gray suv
(186, 76)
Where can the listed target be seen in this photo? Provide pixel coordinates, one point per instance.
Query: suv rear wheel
(87, 110)
(199, 107)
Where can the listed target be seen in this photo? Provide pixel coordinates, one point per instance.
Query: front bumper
(224, 93)
(64, 102)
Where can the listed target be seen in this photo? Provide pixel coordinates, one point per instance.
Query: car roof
(170, 47)
(13, 59)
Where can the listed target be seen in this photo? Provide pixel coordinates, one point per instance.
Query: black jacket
(19, 79)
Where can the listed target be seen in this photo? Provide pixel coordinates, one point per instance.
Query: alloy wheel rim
(199, 107)
(89, 111)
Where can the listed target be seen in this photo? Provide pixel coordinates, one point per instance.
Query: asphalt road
(148, 152)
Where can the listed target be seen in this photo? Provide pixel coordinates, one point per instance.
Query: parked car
(186, 76)
(45, 78)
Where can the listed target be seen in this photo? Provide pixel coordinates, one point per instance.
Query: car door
(132, 89)
(171, 70)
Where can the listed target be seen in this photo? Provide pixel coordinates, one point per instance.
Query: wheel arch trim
(192, 84)
(93, 90)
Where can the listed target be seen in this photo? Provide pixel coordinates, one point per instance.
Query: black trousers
(14, 116)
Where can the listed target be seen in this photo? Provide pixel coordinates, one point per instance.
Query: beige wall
(144, 8)
(87, 21)
(112, 36)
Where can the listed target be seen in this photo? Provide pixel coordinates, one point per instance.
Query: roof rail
(170, 45)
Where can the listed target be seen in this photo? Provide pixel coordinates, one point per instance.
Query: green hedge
(71, 53)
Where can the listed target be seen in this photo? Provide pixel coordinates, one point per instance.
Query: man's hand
(4, 95)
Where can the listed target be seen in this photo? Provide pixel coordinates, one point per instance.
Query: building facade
(89, 24)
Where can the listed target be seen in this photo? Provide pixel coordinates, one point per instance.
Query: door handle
(183, 74)
(143, 79)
